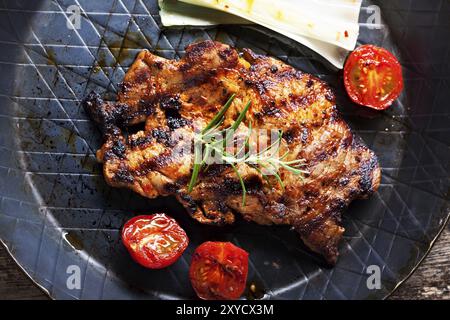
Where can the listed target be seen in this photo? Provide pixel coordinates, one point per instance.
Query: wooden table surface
(430, 281)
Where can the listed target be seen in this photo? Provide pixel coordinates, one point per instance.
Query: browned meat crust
(175, 98)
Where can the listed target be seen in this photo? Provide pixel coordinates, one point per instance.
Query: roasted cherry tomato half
(219, 271)
(373, 77)
(154, 241)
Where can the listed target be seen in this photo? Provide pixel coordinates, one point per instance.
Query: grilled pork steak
(177, 98)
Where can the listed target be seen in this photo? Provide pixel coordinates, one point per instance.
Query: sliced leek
(175, 13)
(334, 22)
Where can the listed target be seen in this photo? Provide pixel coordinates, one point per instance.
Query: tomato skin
(154, 241)
(219, 271)
(373, 77)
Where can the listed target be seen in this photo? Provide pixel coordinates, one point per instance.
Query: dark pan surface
(56, 210)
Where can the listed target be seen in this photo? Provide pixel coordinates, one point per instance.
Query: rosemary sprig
(265, 159)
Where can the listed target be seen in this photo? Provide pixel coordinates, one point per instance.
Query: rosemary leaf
(263, 175)
(292, 169)
(197, 166)
(276, 175)
(241, 117)
(244, 190)
(220, 114)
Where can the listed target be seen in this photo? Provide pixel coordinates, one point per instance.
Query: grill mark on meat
(270, 110)
(171, 106)
(171, 188)
(309, 224)
(366, 172)
(215, 170)
(140, 142)
(163, 137)
(174, 120)
(123, 175)
(188, 202)
(170, 102)
(290, 135)
(252, 183)
(287, 75)
(117, 150)
(153, 164)
(146, 107)
(296, 133)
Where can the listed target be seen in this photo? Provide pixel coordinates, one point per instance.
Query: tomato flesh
(154, 241)
(219, 271)
(373, 77)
